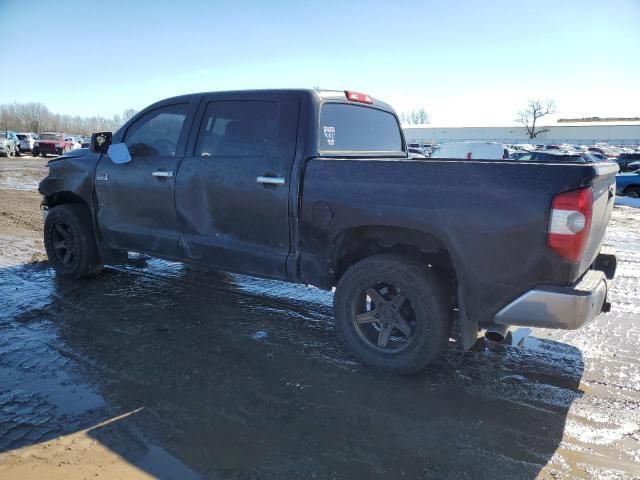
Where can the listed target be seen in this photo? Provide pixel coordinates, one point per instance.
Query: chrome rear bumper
(564, 307)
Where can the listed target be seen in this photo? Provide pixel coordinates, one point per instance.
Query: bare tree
(415, 117)
(36, 117)
(534, 111)
(128, 114)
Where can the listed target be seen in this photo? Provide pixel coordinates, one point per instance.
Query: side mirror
(119, 153)
(100, 142)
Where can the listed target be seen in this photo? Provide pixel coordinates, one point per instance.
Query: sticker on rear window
(330, 135)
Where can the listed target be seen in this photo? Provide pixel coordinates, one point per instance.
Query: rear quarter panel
(492, 217)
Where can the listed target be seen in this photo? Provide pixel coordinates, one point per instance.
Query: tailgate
(604, 187)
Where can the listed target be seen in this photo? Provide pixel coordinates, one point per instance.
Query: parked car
(633, 166)
(556, 156)
(514, 153)
(601, 149)
(9, 143)
(86, 142)
(526, 147)
(73, 142)
(317, 188)
(27, 140)
(416, 153)
(628, 184)
(51, 143)
(425, 148)
(472, 151)
(626, 159)
(600, 156)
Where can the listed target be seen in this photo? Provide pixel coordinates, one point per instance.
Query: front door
(232, 190)
(136, 209)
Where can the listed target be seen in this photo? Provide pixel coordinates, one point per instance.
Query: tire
(70, 242)
(18, 152)
(407, 327)
(632, 192)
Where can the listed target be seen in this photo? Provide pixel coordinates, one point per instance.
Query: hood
(77, 153)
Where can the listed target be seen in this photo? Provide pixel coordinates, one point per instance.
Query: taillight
(570, 223)
(358, 97)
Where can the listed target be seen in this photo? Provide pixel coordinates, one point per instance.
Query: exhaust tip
(496, 333)
(495, 337)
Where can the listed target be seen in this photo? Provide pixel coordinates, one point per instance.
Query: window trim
(403, 153)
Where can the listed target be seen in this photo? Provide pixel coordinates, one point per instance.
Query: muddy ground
(155, 369)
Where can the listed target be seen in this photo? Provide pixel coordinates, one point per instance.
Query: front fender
(72, 173)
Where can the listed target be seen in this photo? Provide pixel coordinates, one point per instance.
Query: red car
(51, 143)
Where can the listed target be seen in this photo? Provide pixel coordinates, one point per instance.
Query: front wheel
(392, 313)
(70, 242)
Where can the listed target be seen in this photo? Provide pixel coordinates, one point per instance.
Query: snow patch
(598, 435)
(10, 183)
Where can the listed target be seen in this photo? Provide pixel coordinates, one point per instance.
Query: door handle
(271, 180)
(163, 174)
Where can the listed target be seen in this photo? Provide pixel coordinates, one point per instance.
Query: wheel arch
(631, 187)
(429, 249)
(63, 197)
(355, 243)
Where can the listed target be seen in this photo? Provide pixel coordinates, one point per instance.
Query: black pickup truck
(317, 187)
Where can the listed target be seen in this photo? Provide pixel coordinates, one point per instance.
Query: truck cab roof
(347, 138)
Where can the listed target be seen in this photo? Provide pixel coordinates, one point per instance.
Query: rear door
(136, 209)
(232, 189)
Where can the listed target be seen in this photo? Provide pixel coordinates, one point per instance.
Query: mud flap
(606, 262)
(468, 327)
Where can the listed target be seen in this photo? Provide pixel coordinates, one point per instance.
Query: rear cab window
(358, 130)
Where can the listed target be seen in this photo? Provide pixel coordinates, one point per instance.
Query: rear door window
(354, 128)
(239, 128)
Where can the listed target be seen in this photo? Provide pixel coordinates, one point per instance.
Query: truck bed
(491, 216)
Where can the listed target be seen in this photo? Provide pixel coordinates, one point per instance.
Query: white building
(587, 133)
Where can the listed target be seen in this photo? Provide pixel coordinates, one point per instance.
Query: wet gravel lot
(155, 369)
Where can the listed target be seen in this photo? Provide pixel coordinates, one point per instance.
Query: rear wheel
(632, 192)
(70, 242)
(392, 313)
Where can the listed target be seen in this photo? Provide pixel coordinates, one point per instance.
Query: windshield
(51, 136)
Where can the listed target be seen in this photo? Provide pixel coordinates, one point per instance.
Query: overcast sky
(465, 62)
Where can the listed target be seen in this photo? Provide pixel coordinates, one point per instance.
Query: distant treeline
(36, 117)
